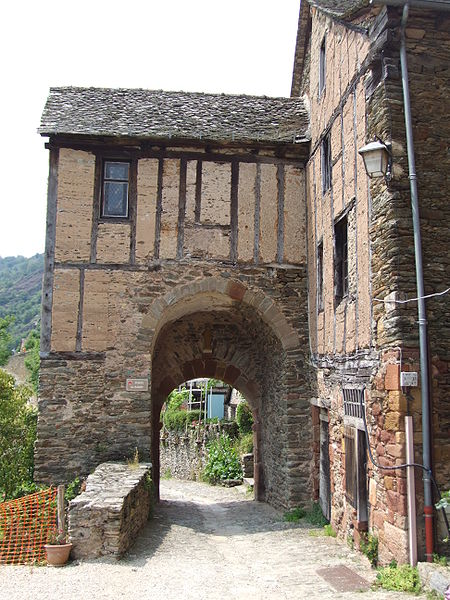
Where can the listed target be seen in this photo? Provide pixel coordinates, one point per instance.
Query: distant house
(240, 238)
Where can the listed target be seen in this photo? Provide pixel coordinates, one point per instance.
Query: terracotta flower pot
(57, 554)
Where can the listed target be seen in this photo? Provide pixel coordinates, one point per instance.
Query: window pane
(116, 170)
(115, 199)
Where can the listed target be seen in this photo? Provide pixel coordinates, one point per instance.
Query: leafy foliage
(399, 579)
(244, 418)
(20, 294)
(369, 546)
(223, 461)
(177, 420)
(176, 398)
(73, 489)
(329, 531)
(294, 515)
(32, 360)
(5, 339)
(18, 423)
(245, 444)
(315, 516)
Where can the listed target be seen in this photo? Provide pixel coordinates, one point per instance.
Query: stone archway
(254, 348)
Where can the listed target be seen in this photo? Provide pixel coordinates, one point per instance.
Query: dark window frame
(325, 163)
(104, 179)
(341, 259)
(356, 481)
(322, 66)
(320, 304)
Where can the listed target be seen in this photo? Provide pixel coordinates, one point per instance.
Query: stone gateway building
(240, 238)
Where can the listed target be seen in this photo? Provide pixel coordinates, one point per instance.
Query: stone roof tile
(339, 8)
(182, 115)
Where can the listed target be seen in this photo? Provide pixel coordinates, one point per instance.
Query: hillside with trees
(20, 295)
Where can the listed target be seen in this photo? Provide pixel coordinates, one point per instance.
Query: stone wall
(106, 518)
(183, 454)
(363, 342)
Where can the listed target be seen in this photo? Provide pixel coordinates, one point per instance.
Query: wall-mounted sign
(136, 385)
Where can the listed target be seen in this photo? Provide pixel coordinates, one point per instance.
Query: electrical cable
(387, 301)
(402, 466)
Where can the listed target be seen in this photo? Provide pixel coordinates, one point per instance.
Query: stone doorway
(212, 334)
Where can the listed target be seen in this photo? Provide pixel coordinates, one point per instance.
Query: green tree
(17, 436)
(244, 418)
(5, 339)
(32, 360)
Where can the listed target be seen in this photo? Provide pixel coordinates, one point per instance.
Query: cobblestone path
(204, 543)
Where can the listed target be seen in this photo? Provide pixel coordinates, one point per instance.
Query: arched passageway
(212, 334)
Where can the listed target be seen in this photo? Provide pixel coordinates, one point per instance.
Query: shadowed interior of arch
(234, 345)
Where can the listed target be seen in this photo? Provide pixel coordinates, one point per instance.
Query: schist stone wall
(360, 342)
(214, 250)
(105, 519)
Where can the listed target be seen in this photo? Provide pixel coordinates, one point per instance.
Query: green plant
(167, 474)
(294, 515)
(315, 516)
(369, 546)
(223, 461)
(177, 420)
(244, 418)
(72, 489)
(133, 462)
(244, 444)
(403, 578)
(350, 542)
(5, 339)
(329, 531)
(176, 398)
(57, 537)
(32, 360)
(440, 560)
(444, 502)
(18, 422)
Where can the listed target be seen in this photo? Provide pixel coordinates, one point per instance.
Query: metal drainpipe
(426, 442)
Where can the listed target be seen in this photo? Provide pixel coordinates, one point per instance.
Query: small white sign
(136, 385)
(409, 379)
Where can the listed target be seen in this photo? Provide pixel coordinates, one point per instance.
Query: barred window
(353, 401)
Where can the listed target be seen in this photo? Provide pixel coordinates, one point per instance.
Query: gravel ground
(203, 543)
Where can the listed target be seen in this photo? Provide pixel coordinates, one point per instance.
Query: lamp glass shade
(376, 159)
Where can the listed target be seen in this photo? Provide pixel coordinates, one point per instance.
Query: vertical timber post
(61, 512)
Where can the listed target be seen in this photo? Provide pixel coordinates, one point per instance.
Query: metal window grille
(353, 400)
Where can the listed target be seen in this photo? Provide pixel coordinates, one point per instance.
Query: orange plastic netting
(24, 525)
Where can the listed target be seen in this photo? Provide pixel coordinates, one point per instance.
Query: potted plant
(57, 547)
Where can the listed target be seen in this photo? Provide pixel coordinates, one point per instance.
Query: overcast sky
(238, 46)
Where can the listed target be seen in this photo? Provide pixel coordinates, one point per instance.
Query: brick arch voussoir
(159, 311)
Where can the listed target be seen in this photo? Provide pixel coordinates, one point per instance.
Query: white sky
(237, 46)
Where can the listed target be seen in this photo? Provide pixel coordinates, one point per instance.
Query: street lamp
(377, 159)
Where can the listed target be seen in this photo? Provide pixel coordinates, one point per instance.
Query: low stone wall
(183, 453)
(107, 516)
(247, 462)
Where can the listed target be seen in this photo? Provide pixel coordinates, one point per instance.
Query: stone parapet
(106, 517)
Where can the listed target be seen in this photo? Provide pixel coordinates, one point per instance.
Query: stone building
(360, 252)
(239, 238)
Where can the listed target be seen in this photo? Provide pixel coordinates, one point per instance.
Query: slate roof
(339, 8)
(181, 115)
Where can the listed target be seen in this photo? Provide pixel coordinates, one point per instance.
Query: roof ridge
(172, 92)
